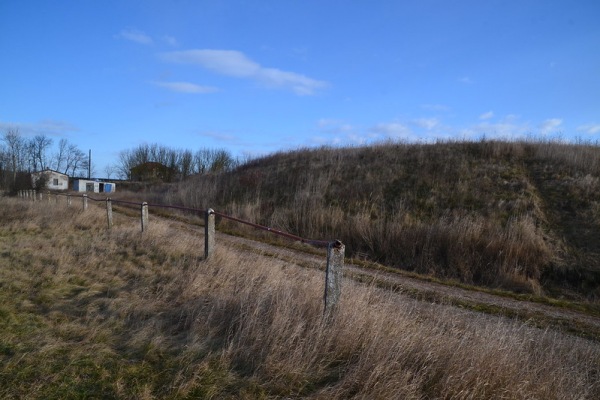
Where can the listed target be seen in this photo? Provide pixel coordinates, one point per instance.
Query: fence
(335, 248)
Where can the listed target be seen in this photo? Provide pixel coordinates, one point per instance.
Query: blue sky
(256, 77)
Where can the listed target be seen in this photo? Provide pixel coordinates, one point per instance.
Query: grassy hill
(523, 216)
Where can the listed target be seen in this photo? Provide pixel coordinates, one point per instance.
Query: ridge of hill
(518, 215)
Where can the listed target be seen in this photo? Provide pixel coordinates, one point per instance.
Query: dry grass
(521, 216)
(90, 313)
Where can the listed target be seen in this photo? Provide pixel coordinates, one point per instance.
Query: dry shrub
(469, 248)
(380, 345)
(134, 315)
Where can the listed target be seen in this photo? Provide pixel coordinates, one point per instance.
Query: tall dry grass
(87, 312)
(519, 215)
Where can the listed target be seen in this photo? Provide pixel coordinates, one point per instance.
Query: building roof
(48, 170)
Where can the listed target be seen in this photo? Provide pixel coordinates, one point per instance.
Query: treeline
(181, 163)
(20, 156)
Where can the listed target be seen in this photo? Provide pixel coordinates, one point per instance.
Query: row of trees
(21, 156)
(181, 162)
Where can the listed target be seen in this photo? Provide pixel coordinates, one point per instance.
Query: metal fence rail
(335, 248)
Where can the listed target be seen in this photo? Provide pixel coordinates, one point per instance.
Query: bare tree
(186, 163)
(15, 151)
(126, 162)
(109, 170)
(178, 163)
(61, 154)
(76, 161)
(202, 161)
(38, 149)
(221, 161)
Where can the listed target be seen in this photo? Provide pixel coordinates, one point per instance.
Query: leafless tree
(60, 156)
(15, 151)
(182, 163)
(109, 170)
(186, 162)
(76, 161)
(37, 151)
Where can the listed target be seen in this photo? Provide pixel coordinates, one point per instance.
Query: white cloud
(170, 40)
(435, 107)
(509, 127)
(590, 129)
(236, 64)
(334, 126)
(394, 130)
(49, 127)
(427, 123)
(220, 136)
(135, 36)
(466, 80)
(487, 115)
(550, 126)
(186, 87)
(226, 62)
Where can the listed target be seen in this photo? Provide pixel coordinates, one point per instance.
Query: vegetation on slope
(524, 216)
(91, 313)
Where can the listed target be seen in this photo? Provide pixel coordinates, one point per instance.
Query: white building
(84, 185)
(54, 179)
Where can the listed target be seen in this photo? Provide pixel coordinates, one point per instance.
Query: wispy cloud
(48, 127)
(135, 36)
(590, 129)
(486, 115)
(508, 127)
(550, 126)
(427, 123)
(236, 64)
(170, 40)
(186, 87)
(466, 80)
(436, 107)
(220, 136)
(335, 126)
(393, 130)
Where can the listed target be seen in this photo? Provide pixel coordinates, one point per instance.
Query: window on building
(55, 181)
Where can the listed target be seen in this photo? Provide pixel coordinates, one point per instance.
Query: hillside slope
(518, 215)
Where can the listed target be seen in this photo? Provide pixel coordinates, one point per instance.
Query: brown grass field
(90, 313)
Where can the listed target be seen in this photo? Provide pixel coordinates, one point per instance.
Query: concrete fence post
(85, 202)
(333, 276)
(48, 193)
(41, 195)
(209, 232)
(33, 195)
(68, 200)
(144, 216)
(109, 215)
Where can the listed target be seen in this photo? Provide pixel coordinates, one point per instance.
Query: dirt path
(542, 315)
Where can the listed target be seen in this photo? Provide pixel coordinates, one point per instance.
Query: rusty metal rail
(321, 243)
(317, 243)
